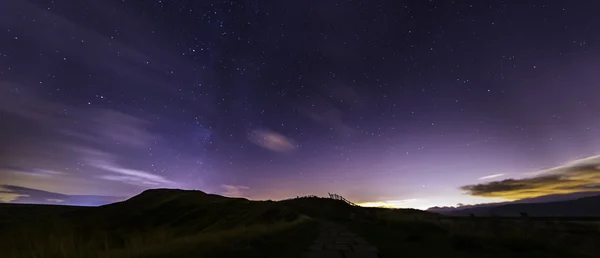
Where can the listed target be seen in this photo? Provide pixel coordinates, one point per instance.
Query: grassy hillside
(581, 207)
(156, 223)
(478, 238)
(186, 212)
(176, 223)
(10, 212)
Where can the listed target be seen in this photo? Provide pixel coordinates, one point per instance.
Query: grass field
(430, 235)
(156, 224)
(176, 223)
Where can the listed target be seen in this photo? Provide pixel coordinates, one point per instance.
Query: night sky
(405, 103)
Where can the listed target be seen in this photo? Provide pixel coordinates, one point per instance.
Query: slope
(582, 207)
(162, 223)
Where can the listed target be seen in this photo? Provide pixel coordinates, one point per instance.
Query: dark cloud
(577, 176)
(18, 194)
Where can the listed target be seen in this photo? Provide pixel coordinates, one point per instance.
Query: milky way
(409, 103)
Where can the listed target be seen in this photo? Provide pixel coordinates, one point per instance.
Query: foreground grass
(396, 238)
(175, 223)
(156, 223)
(276, 240)
(284, 239)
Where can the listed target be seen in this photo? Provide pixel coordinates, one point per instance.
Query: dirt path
(335, 241)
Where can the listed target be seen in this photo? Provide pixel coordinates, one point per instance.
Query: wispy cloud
(19, 194)
(491, 176)
(122, 128)
(51, 151)
(95, 125)
(8, 195)
(35, 172)
(272, 141)
(133, 176)
(576, 176)
(106, 162)
(326, 114)
(234, 190)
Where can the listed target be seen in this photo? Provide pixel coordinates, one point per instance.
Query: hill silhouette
(184, 210)
(182, 223)
(580, 207)
(156, 223)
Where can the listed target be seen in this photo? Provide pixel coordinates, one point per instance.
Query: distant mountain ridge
(584, 204)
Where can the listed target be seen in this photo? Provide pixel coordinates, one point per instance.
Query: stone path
(334, 241)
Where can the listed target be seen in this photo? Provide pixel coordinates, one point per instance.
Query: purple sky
(414, 104)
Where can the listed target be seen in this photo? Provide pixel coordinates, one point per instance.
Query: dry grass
(400, 233)
(184, 224)
(162, 223)
(62, 240)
